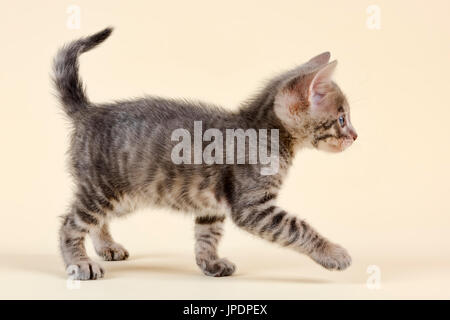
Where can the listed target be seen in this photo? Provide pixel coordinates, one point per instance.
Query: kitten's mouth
(339, 145)
(345, 143)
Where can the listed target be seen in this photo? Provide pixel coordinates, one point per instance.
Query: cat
(120, 159)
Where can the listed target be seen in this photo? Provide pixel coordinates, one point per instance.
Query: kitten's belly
(177, 196)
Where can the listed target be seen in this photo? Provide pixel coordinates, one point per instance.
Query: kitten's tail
(65, 73)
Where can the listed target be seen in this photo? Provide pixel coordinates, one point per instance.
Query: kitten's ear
(320, 84)
(320, 59)
(304, 91)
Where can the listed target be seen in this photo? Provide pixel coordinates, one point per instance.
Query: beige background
(385, 199)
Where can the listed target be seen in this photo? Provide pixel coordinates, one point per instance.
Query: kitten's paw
(332, 257)
(217, 268)
(114, 252)
(85, 270)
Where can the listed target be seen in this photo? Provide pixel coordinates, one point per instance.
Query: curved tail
(65, 73)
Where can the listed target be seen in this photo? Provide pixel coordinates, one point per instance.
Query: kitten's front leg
(208, 232)
(276, 225)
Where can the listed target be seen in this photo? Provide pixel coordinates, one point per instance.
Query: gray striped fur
(120, 161)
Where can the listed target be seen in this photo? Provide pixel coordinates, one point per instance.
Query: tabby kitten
(120, 157)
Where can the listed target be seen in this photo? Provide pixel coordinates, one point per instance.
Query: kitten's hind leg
(72, 233)
(208, 232)
(105, 246)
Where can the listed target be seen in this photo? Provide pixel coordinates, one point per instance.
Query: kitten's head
(313, 108)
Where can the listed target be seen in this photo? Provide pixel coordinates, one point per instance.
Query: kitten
(120, 157)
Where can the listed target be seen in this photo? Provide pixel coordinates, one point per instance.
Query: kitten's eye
(342, 120)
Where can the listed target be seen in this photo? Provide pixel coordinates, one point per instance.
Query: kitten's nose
(354, 135)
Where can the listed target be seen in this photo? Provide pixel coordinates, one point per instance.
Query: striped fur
(120, 161)
(208, 232)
